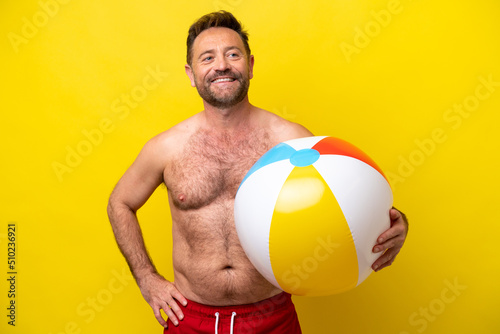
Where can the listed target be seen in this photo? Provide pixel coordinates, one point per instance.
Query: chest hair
(212, 166)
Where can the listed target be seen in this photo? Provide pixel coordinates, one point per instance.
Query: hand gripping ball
(309, 212)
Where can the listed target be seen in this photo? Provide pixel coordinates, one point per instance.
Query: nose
(221, 64)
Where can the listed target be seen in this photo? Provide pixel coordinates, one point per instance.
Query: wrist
(144, 274)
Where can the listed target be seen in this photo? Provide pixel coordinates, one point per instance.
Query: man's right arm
(130, 193)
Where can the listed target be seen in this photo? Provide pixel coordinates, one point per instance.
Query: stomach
(224, 286)
(210, 266)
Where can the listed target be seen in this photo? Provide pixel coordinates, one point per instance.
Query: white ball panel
(303, 143)
(365, 198)
(253, 212)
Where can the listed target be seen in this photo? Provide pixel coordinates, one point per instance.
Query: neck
(231, 118)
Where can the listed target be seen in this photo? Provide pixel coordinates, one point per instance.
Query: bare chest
(212, 167)
(209, 264)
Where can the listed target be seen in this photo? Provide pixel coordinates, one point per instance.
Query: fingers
(399, 218)
(385, 260)
(395, 214)
(171, 309)
(163, 295)
(158, 316)
(392, 238)
(391, 241)
(179, 297)
(174, 312)
(395, 234)
(395, 242)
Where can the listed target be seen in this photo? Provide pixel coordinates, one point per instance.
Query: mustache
(225, 73)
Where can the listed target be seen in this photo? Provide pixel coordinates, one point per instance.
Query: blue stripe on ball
(279, 152)
(305, 157)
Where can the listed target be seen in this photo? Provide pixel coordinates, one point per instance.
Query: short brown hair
(216, 19)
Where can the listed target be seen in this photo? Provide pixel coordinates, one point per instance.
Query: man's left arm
(391, 241)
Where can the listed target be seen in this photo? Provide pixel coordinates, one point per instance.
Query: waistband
(281, 301)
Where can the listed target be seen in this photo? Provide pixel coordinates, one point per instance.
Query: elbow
(111, 207)
(116, 207)
(114, 204)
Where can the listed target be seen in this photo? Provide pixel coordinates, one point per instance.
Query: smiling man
(219, 85)
(202, 161)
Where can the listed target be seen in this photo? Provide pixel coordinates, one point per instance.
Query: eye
(208, 58)
(233, 55)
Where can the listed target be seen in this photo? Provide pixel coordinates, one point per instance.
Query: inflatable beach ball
(309, 212)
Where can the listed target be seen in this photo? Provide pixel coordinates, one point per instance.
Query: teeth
(223, 80)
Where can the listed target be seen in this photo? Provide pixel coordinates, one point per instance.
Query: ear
(251, 61)
(190, 74)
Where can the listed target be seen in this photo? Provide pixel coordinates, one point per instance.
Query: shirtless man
(202, 161)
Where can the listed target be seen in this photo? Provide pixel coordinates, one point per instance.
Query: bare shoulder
(168, 144)
(282, 129)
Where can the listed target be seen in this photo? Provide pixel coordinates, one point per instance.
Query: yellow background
(390, 94)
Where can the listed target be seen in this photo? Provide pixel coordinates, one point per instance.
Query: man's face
(220, 70)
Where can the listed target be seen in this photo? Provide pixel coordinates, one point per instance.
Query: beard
(227, 98)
